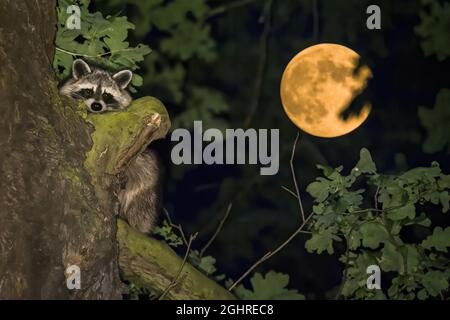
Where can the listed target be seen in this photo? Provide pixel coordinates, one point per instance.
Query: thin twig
(384, 210)
(300, 204)
(169, 219)
(93, 56)
(219, 228)
(270, 254)
(367, 210)
(299, 230)
(230, 6)
(347, 255)
(376, 197)
(264, 44)
(250, 181)
(176, 226)
(175, 280)
(292, 193)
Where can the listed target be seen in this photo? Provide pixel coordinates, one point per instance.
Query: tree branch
(177, 227)
(230, 6)
(270, 254)
(152, 264)
(219, 228)
(299, 230)
(71, 53)
(264, 44)
(177, 277)
(294, 178)
(121, 136)
(148, 263)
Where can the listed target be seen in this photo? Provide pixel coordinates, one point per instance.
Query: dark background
(263, 215)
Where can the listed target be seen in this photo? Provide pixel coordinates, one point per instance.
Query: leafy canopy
(371, 229)
(101, 40)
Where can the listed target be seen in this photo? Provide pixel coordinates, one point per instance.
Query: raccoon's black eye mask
(108, 98)
(86, 93)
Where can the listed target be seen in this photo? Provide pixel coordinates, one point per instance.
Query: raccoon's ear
(123, 78)
(80, 68)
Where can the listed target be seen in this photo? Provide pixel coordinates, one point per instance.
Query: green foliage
(272, 286)
(320, 242)
(184, 37)
(440, 240)
(101, 40)
(436, 121)
(434, 29)
(373, 234)
(206, 264)
(168, 234)
(171, 17)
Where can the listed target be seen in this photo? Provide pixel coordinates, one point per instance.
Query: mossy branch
(152, 264)
(118, 137)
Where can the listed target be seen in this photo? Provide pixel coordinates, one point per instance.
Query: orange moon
(319, 84)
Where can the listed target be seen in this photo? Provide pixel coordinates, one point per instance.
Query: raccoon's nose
(96, 106)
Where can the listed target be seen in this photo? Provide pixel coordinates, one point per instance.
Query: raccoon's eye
(86, 92)
(107, 97)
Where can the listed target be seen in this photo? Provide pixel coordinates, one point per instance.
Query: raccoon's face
(100, 90)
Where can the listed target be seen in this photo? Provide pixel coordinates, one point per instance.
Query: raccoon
(102, 91)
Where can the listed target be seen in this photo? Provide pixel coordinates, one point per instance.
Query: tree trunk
(51, 216)
(60, 170)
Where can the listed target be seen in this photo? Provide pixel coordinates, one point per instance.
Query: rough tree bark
(59, 172)
(51, 216)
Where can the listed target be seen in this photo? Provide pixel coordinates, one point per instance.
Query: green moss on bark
(152, 264)
(116, 133)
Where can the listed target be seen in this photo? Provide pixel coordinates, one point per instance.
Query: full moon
(319, 84)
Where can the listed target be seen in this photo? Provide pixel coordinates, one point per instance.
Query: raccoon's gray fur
(102, 91)
(99, 89)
